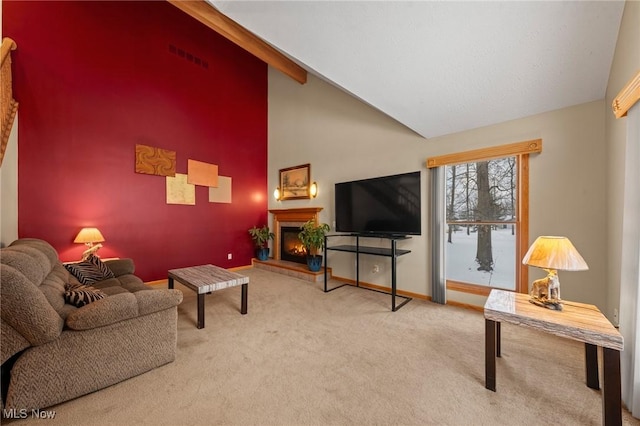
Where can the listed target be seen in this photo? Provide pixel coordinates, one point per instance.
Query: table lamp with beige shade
(552, 254)
(89, 236)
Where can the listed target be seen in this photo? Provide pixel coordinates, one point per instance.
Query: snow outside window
(481, 235)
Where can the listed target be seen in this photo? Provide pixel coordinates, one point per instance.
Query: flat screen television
(388, 205)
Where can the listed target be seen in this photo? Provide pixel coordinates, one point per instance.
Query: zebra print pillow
(80, 295)
(104, 269)
(90, 271)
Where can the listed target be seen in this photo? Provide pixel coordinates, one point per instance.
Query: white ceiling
(443, 67)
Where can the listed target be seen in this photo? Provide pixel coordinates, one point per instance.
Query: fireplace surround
(293, 218)
(290, 218)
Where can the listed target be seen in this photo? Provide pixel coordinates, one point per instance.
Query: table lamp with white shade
(89, 236)
(552, 254)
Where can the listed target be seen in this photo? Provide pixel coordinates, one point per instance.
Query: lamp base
(91, 251)
(545, 292)
(555, 305)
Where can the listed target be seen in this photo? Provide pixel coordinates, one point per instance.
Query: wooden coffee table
(204, 279)
(577, 321)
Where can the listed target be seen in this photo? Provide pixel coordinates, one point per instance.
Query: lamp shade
(89, 235)
(554, 253)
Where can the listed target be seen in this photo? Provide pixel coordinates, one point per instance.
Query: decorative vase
(314, 263)
(262, 253)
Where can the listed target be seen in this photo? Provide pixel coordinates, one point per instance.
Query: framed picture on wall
(295, 182)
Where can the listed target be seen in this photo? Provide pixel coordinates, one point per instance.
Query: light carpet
(303, 357)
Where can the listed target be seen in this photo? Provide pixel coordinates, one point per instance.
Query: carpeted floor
(301, 356)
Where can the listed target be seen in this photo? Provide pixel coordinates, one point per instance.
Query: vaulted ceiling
(443, 67)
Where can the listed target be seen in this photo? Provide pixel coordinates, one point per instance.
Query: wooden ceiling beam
(234, 32)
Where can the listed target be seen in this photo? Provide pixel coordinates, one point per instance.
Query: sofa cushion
(110, 282)
(88, 272)
(121, 266)
(53, 286)
(26, 309)
(132, 283)
(31, 262)
(41, 245)
(112, 290)
(82, 295)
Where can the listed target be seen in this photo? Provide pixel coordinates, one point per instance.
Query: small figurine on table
(546, 291)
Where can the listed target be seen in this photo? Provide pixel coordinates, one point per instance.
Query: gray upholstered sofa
(53, 351)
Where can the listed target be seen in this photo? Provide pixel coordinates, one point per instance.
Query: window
(482, 223)
(485, 228)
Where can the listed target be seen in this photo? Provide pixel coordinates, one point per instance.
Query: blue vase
(314, 263)
(262, 253)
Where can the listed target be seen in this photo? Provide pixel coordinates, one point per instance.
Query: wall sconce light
(551, 254)
(276, 193)
(313, 190)
(89, 236)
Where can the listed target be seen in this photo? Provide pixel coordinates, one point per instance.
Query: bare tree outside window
(451, 212)
(481, 215)
(484, 213)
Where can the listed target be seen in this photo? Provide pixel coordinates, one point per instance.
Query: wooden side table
(577, 321)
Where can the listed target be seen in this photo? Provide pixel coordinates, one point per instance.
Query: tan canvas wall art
(179, 191)
(201, 173)
(221, 194)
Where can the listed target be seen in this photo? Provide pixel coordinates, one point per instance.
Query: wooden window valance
(627, 97)
(518, 148)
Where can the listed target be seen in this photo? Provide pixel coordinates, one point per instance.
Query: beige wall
(9, 189)
(567, 185)
(345, 139)
(9, 182)
(626, 63)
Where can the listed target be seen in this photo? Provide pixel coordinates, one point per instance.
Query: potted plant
(260, 237)
(312, 237)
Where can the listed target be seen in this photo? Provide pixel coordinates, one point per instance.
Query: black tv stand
(392, 252)
(389, 236)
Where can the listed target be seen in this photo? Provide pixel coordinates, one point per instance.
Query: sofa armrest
(157, 300)
(12, 342)
(121, 266)
(122, 306)
(26, 308)
(110, 310)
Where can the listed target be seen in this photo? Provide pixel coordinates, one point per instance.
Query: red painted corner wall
(94, 79)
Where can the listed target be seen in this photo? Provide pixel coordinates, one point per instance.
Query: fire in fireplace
(291, 247)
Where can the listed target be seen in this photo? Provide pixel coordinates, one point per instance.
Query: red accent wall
(94, 79)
